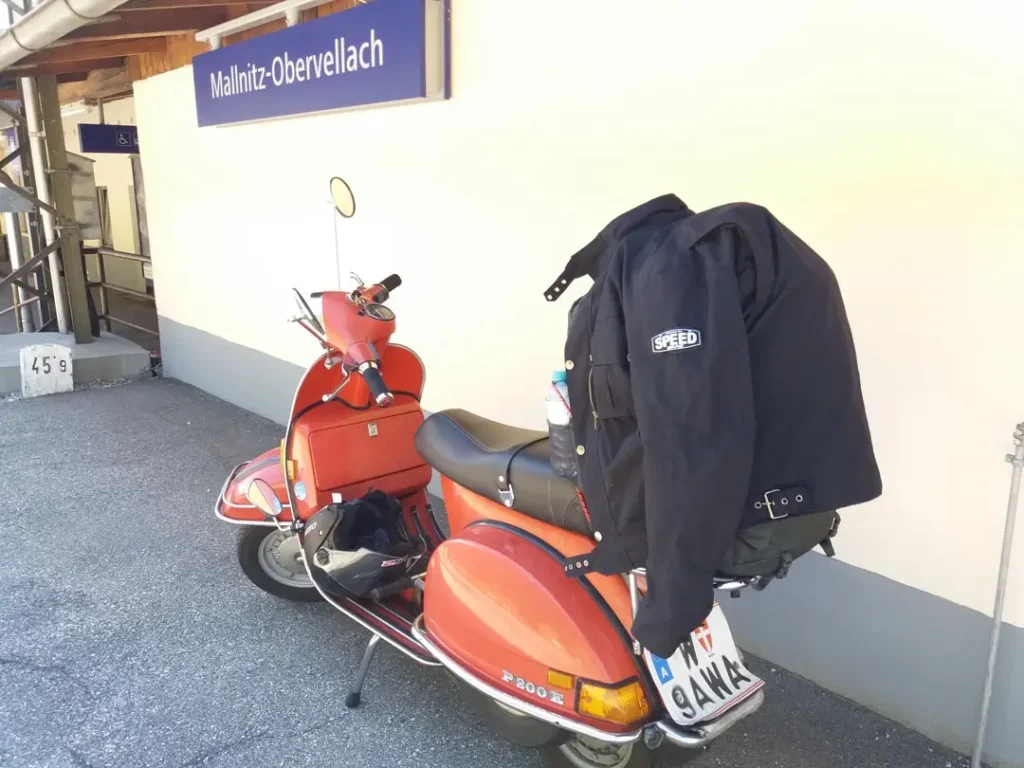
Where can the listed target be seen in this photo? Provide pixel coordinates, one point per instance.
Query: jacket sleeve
(693, 399)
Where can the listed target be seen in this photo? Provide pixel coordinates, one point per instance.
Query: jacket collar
(593, 258)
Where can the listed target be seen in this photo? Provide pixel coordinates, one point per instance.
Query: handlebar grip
(387, 285)
(378, 389)
(402, 584)
(316, 294)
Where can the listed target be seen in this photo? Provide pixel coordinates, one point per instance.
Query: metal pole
(104, 300)
(1017, 460)
(13, 224)
(14, 246)
(35, 140)
(37, 280)
(64, 202)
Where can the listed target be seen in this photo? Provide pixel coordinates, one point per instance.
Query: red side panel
(464, 507)
(503, 607)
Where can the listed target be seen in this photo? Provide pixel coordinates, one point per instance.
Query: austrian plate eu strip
(705, 677)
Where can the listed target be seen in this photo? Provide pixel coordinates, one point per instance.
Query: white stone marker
(45, 370)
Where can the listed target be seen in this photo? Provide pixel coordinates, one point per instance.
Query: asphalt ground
(129, 637)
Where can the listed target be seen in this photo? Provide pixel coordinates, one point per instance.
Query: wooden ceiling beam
(164, 21)
(98, 49)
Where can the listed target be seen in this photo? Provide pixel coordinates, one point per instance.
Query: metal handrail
(124, 255)
(104, 286)
(18, 305)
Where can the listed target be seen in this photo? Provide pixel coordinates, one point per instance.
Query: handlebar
(378, 389)
(388, 284)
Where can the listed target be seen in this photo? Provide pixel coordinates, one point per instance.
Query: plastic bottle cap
(558, 376)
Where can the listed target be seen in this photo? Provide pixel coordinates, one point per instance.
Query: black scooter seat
(474, 452)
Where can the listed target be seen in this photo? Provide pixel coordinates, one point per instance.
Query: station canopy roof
(137, 39)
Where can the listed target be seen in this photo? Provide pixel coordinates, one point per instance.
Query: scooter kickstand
(352, 700)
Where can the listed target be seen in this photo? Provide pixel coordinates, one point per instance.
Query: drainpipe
(12, 222)
(34, 125)
(46, 23)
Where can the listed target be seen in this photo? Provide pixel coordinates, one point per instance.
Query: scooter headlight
(624, 705)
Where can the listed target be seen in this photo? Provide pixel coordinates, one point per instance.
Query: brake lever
(334, 394)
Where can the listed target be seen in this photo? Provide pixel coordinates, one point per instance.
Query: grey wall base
(907, 654)
(253, 380)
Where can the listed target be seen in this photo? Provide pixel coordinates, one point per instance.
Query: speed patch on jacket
(675, 340)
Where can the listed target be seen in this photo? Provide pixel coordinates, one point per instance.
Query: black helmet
(354, 547)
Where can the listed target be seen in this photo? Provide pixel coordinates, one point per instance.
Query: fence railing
(103, 312)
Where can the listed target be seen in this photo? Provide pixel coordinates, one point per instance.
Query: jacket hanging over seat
(714, 387)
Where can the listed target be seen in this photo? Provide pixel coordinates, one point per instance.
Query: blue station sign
(384, 52)
(97, 139)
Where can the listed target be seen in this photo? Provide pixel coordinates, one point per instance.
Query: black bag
(769, 548)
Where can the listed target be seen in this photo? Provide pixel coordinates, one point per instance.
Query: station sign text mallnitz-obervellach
(383, 52)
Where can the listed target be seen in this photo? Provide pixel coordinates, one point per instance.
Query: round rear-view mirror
(261, 495)
(344, 200)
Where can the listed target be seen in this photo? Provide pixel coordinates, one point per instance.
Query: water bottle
(560, 438)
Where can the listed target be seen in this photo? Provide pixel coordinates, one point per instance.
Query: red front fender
(234, 507)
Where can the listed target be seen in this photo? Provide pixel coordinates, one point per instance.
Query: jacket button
(597, 536)
(580, 450)
(569, 365)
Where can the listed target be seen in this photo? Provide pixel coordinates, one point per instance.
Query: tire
(586, 753)
(666, 756)
(265, 566)
(521, 730)
(555, 743)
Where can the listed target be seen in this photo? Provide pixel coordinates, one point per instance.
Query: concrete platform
(106, 359)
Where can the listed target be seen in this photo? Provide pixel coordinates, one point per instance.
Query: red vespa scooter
(546, 659)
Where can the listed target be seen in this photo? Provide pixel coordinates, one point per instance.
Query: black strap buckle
(782, 502)
(770, 505)
(826, 543)
(505, 491)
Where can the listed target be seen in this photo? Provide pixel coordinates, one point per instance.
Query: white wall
(115, 173)
(887, 134)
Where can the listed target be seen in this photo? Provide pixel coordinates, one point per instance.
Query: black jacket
(711, 363)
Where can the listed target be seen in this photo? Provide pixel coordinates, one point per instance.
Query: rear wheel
(583, 752)
(272, 559)
(566, 750)
(511, 725)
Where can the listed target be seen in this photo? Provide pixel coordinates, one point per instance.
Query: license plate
(705, 677)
